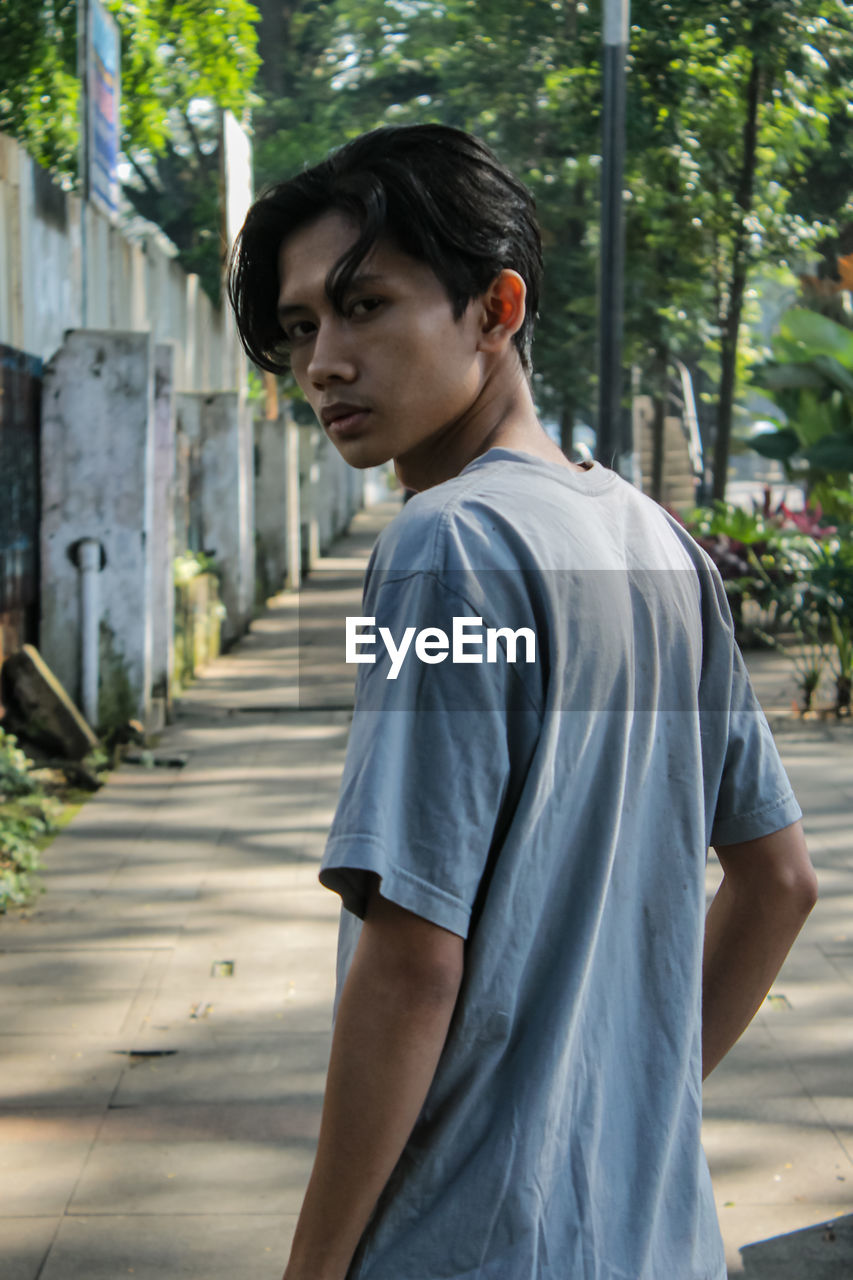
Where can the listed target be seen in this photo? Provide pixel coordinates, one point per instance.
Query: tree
(730, 109)
(758, 82)
(39, 89)
(179, 60)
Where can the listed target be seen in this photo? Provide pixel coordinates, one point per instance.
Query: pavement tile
(42, 1155)
(42, 1071)
(24, 1243)
(842, 961)
(171, 1177)
(77, 972)
(836, 1108)
(290, 1119)
(270, 875)
(204, 1246)
(755, 1068)
(100, 1013)
(245, 1010)
(139, 928)
(210, 1068)
(823, 1058)
(793, 1000)
(298, 900)
(78, 880)
(216, 937)
(779, 1152)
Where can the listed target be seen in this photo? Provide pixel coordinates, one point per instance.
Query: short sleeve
(426, 769)
(755, 796)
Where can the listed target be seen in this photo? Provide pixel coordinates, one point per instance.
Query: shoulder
(447, 527)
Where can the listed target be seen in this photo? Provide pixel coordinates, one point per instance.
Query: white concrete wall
(163, 531)
(98, 482)
(131, 286)
(331, 492)
(216, 435)
(293, 502)
(271, 501)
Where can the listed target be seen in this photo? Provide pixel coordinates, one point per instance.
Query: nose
(331, 356)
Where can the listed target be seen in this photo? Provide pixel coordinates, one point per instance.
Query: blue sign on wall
(104, 46)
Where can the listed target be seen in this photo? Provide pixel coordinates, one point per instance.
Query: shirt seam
(781, 799)
(364, 837)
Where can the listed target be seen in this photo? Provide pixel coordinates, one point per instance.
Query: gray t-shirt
(556, 813)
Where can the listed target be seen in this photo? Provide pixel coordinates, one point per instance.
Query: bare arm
(769, 888)
(391, 1026)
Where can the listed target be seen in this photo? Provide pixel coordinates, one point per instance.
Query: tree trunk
(739, 271)
(273, 35)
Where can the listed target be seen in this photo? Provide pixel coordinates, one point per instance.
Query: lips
(341, 413)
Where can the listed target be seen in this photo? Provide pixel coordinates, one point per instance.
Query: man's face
(396, 373)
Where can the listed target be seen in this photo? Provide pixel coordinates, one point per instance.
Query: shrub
(797, 569)
(26, 816)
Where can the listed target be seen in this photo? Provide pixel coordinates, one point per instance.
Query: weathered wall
(338, 491)
(331, 492)
(131, 285)
(271, 503)
(163, 532)
(278, 502)
(216, 438)
(98, 482)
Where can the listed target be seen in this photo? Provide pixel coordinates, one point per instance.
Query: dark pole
(83, 37)
(610, 447)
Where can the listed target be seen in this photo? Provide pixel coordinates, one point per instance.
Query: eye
(298, 330)
(364, 306)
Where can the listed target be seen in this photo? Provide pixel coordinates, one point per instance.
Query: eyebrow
(365, 280)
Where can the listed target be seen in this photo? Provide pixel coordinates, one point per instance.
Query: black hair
(440, 194)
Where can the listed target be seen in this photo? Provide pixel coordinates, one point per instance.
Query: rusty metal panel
(20, 504)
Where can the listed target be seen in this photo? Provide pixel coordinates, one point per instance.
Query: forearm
(750, 928)
(389, 1034)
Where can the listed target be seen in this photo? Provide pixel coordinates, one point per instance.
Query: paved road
(166, 1006)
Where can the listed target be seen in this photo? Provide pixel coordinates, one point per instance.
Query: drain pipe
(88, 555)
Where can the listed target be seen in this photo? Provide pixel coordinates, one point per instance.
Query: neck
(502, 416)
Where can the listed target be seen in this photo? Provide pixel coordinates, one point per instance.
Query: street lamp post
(610, 446)
(83, 36)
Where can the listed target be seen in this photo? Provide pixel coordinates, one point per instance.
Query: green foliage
(811, 379)
(726, 520)
(15, 777)
(528, 79)
(172, 54)
(39, 89)
(191, 563)
(817, 607)
(117, 701)
(797, 571)
(180, 63)
(26, 817)
(175, 53)
(709, 197)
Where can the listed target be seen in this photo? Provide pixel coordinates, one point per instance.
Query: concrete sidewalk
(166, 1005)
(779, 1109)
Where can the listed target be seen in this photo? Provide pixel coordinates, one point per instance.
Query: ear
(504, 310)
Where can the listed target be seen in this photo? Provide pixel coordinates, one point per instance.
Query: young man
(514, 1091)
